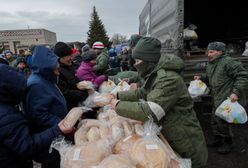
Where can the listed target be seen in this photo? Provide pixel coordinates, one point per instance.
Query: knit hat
(20, 59)
(219, 46)
(147, 49)
(134, 39)
(98, 45)
(61, 49)
(89, 55)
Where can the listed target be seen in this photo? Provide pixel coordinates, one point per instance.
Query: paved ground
(236, 159)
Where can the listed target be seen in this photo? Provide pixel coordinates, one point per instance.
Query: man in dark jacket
(17, 145)
(67, 78)
(227, 78)
(166, 99)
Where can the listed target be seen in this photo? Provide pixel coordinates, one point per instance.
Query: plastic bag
(197, 88)
(86, 155)
(91, 130)
(189, 34)
(89, 101)
(232, 112)
(122, 86)
(85, 85)
(103, 99)
(117, 161)
(107, 86)
(73, 116)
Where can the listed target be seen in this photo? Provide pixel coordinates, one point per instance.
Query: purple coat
(86, 72)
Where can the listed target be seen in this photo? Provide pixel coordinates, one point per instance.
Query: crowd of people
(39, 88)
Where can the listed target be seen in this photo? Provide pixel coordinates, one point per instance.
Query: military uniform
(165, 88)
(102, 62)
(226, 76)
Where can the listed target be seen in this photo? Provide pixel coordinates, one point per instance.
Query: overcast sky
(69, 19)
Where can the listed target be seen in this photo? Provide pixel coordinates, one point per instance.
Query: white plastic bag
(89, 101)
(107, 86)
(232, 112)
(122, 86)
(103, 99)
(85, 85)
(197, 88)
(189, 34)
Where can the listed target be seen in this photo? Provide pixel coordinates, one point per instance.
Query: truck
(214, 20)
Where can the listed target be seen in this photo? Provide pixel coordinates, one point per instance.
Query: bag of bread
(74, 115)
(91, 130)
(107, 86)
(148, 150)
(103, 99)
(122, 86)
(85, 85)
(86, 155)
(117, 161)
(89, 101)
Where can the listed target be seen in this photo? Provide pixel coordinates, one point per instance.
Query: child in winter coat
(86, 71)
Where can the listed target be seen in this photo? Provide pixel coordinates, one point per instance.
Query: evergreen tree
(97, 31)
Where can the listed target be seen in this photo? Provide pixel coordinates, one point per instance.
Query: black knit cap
(89, 55)
(147, 49)
(61, 49)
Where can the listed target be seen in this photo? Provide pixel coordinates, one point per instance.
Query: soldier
(164, 89)
(227, 78)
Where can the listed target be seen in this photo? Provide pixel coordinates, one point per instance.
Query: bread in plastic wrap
(117, 161)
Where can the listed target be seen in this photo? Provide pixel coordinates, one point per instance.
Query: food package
(83, 156)
(89, 101)
(74, 115)
(103, 99)
(197, 88)
(107, 86)
(117, 161)
(232, 112)
(122, 86)
(91, 130)
(83, 85)
(189, 34)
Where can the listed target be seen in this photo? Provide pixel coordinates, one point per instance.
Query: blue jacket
(17, 146)
(45, 105)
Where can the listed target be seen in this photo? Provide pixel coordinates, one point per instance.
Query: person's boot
(226, 147)
(217, 142)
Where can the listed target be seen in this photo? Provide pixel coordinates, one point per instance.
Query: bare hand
(126, 80)
(233, 97)
(197, 77)
(133, 86)
(64, 129)
(113, 103)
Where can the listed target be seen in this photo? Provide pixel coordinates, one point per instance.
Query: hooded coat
(86, 72)
(45, 105)
(17, 145)
(166, 88)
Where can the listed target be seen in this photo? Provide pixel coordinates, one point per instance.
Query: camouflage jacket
(227, 75)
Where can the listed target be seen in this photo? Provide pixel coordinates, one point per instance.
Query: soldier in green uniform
(164, 97)
(227, 78)
(102, 60)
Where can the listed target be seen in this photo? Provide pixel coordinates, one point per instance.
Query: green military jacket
(165, 87)
(131, 75)
(102, 62)
(227, 75)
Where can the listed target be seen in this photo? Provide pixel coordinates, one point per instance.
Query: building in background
(15, 40)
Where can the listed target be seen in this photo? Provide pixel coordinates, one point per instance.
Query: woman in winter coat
(86, 70)
(17, 145)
